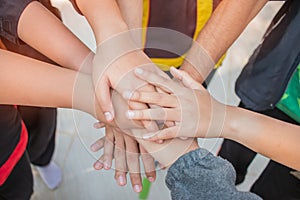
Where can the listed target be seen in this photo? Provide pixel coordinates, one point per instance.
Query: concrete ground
(75, 132)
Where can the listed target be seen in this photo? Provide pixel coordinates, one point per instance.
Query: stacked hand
(119, 143)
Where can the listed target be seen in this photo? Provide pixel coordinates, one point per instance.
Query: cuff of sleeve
(186, 164)
(201, 174)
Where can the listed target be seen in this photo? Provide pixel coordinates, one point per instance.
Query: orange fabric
(2, 46)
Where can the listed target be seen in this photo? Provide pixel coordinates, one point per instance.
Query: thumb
(104, 99)
(164, 134)
(186, 79)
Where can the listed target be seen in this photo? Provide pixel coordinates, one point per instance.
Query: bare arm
(225, 25)
(25, 81)
(39, 28)
(275, 139)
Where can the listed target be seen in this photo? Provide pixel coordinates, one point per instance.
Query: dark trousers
(19, 184)
(276, 181)
(41, 127)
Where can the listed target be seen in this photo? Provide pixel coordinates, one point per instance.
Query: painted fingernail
(139, 71)
(151, 179)
(127, 95)
(137, 188)
(121, 180)
(130, 114)
(108, 116)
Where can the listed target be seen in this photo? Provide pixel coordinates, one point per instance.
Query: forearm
(273, 138)
(104, 16)
(132, 12)
(59, 43)
(25, 81)
(225, 25)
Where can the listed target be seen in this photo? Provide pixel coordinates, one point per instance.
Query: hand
(113, 67)
(125, 159)
(195, 112)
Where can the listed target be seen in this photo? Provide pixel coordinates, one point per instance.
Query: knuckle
(132, 158)
(119, 153)
(147, 159)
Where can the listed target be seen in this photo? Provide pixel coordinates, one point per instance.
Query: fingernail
(138, 71)
(127, 95)
(121, 180)
(130, 114)
(160, 141)
(183, 138)
(98, 165)
(148, 136)
(94, 147)
(97, 125)
(137, 188)
(108, 116)
(151, 179)
(106, 166)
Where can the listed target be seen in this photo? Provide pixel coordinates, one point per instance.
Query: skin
(112, 69)
(78, 51)
(205, 49)
(117, 53)
(67, 91)
(258, 132)
(224, 26)
(79, 58)
(63, 46)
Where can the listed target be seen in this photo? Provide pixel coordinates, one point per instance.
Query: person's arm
(42, 30)
(25, 81)
(117, 53)
(225, 25)
(273, 138)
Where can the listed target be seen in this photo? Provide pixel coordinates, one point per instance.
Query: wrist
(236, 124)
(198, 63)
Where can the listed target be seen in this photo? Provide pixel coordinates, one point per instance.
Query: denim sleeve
(10, 12)
(201, 175)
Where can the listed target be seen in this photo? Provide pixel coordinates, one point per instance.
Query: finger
(133, 164)
(99, 125)
(169, 123)
(186, 79)
(155, 114)
(108, 148)
(120, 159)
(98, 165)
(120, 177)
(104, 99)
(99, 144)
(164, 134)
(156, 80)
(149, 164)
(161, 99)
